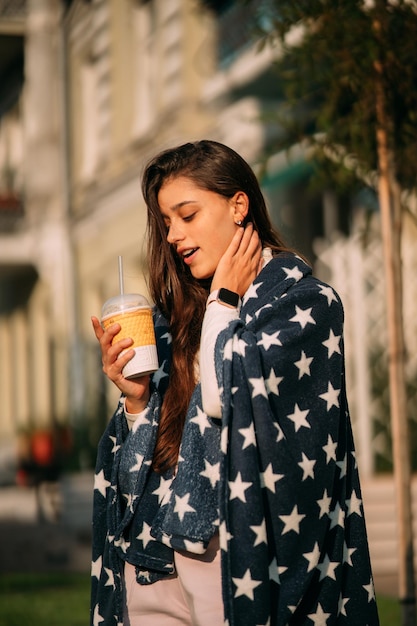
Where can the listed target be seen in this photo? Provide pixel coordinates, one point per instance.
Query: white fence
(354, 266)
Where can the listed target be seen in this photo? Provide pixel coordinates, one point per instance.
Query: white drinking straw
(121, 275)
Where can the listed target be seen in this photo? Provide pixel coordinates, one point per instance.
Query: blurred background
(89, 91)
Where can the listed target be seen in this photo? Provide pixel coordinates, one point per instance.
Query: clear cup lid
(124, 302)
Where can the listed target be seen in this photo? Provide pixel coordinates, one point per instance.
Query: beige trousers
(191, 597)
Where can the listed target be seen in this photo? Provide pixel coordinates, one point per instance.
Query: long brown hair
(179, 296)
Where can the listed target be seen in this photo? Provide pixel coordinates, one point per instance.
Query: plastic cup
(134, 314)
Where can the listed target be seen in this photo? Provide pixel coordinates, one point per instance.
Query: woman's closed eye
(188, 218)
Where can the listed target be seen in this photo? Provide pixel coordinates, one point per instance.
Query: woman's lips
(188, 255)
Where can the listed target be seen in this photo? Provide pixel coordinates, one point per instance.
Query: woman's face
(200, 223)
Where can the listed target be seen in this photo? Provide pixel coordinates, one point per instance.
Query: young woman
(226, 484)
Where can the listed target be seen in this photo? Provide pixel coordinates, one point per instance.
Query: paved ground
(48, 529)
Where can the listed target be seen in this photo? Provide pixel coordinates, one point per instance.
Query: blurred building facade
(89, 90)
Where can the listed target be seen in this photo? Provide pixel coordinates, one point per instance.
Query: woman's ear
(240, 203)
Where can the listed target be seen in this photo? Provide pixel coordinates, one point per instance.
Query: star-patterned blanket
(280, 472)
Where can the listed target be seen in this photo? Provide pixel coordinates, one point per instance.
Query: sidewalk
(48, 531)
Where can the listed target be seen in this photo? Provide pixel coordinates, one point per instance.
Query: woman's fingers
(98, 330)
(114, 357)
(240, 263)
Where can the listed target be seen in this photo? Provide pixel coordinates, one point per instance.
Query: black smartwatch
(225, 297)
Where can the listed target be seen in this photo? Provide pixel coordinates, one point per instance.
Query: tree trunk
(391, 223)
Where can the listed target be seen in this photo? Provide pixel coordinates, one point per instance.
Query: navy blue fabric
(278, 473)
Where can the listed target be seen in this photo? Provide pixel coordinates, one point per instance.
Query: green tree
(348, 71)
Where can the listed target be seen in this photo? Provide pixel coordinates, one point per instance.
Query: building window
(144, 94)
(235, 30)
(89, 119)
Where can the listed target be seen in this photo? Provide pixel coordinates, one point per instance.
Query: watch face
(228, 297)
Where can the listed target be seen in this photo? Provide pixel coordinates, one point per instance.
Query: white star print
(312, 557)
(248, 319)
(139, 461)
(354, 505)
(182, 507)
(327, 568)
(267, 341)
(224, 437)
(331, 396)
(146, 576)
(189, 546)
(239, 346)
(245, 585)
(163, 489)
(110, 578)
(307, 465)
(302, 316)
(337, 516)
(273, 382)
(320, 617)
(100, 483)
(324, 504)
(238, 487)
(280, 435)
(342, 465)
(293, 272)
(342, 605)
(299, 418)
(260, 532)
(96, 568)
(167, 336)
(268, 478)
(121, 543)
(258, 385)
(328, 293)
(228, 350)
(249, 436)
(303, 365)
(212, 472)
(159, 374)
(97, 619)
(292, 521)
(347, 554)
(224, 536)
(130, 500)
(143, 418)
(332, 343)
(145, 536)
(115, 447)
(275, 571)
(251, 292)
(370, 589)
(330, 449)
(201, 420)
(262, 309)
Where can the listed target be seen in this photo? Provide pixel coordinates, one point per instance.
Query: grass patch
(389, 611)
(64, 600)
(53, 599)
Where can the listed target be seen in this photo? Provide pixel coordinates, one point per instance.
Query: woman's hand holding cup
(136, 390)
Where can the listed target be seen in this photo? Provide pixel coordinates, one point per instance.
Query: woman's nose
(174, 233)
